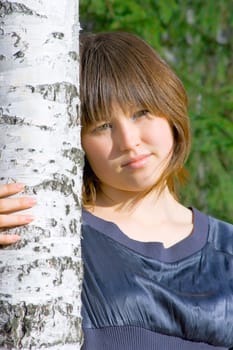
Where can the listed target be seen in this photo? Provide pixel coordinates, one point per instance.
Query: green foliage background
(196, 38)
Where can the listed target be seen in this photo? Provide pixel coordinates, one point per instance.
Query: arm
(9, 208)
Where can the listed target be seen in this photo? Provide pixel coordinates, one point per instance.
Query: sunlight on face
(129, 152)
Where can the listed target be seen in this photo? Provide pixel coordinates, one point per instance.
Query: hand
(12, 205)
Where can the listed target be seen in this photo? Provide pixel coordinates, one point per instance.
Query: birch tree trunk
(40, 277)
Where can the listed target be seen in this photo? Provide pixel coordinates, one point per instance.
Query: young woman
(157, 275)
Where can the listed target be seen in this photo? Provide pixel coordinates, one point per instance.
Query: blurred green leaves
(196, 38)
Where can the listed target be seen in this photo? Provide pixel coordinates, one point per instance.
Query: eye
(140, 114)
(102, 127)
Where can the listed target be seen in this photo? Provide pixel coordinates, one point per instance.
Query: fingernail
(20, 185)
(15, 238)
(28, 218)
(31, 201)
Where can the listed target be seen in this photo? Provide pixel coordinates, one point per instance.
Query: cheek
(167, 139)
(162, 139)
(165, 135)
(95, 151)
(88, 147)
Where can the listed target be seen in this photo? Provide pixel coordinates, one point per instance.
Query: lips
(136, 162)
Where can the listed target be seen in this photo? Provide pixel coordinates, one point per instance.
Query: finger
(10, 205)
(9, 239)
(15, 220)
(9, 189)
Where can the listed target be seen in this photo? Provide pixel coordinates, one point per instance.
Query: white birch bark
(40, 277)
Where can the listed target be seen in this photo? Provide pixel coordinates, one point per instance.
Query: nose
(127, 136)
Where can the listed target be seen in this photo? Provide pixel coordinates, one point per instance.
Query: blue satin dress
(142, 296)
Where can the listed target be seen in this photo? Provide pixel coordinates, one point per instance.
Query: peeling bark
(41, 276)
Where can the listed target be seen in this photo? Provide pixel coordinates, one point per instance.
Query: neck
(128, 203)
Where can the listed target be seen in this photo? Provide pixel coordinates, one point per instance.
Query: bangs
(112, 75)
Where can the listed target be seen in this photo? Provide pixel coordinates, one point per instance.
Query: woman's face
(130, 152)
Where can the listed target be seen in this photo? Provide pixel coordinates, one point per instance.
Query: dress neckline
(155, 250)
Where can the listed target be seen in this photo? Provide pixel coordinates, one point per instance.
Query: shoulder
(93, 230)
(220, 226)
(221, 234)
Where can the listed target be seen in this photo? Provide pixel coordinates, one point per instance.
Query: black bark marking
(74, 170)
(61, 92)
(55, 35)
(8, 8)
(15, 35)
(53, 222)
(74, 55)
(67, 209)
(58, 35)
(11, 120)
(75, 155)
(73, 226)
(60, 183)
(7, 119)
(12, 325)
(19, 54)
(19, 321)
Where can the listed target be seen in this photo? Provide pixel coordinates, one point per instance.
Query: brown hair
(121, 68)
